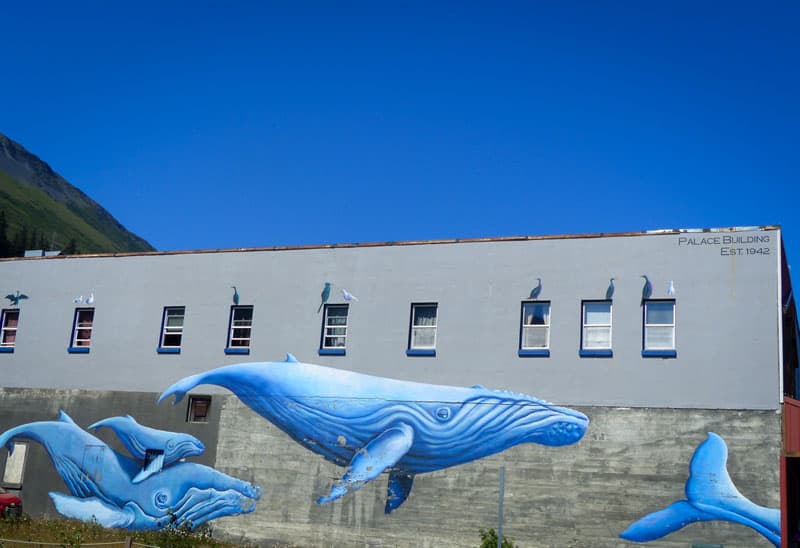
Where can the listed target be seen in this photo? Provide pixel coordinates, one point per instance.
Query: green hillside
(37, 200)
(31, 208)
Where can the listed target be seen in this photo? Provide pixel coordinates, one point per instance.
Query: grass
(71, 534)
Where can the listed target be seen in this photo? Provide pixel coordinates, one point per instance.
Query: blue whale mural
(710, 495)
(100, 481)
(373, 424)
(139, 439)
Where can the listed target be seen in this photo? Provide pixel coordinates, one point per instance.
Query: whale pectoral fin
(663, 522)
(372, 460)
(399, 487)
(92, 509)
(153, 467)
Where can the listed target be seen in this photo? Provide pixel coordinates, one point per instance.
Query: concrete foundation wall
(630, 463)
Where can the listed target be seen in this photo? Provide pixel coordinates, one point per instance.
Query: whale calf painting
(102, 486)
(373, 425)
(710, 495)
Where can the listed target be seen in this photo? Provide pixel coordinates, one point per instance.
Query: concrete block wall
(631, 462)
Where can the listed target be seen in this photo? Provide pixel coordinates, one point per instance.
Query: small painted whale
(138, 439)
(100, 482)
(710, 495)
(373, 424)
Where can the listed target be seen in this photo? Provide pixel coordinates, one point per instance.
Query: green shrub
(489, 540)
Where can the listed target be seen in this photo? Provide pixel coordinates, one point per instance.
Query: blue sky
(205, 125)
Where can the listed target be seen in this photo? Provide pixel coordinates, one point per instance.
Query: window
(334, 330)
(422, 334)
(171, 330)
(199, 407)
(596, 329)
(534, 339)
(239, 331)
(82, 330)
(15, 465)
(659, 328)
(8, 330)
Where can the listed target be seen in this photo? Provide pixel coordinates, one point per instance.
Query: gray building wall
(727, 315)
(647, 414)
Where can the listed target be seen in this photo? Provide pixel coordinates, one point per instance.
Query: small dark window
(199, 407)
(82, 328)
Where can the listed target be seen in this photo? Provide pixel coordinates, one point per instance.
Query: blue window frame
(658, 329)
(82, 326)
(534, 330)
(422, 329)
(596, 329)
(333, 340)
(9, 321)
(171, 336)
(240, 329)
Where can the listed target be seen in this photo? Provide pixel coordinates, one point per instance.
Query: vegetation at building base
(72, 533)
(489, 540)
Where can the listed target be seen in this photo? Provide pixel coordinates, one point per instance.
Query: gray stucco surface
(631, 462)
(727, 311)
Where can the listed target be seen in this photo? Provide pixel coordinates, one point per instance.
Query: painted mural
(710, 495)
(372, 425)
(150, 491)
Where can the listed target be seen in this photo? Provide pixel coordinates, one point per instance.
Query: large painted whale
(710, 495)
(102, 489)
(373, 424)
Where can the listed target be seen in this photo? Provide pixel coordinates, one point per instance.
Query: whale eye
(443, 413)
(170, 444)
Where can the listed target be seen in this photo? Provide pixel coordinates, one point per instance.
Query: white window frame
(328, 329)
(416, 328)
(77, 328)
(526, 326)
(243, 342)
(14, 472)
(5, 330)
(167, 330)
(585, 325)
(646, 325)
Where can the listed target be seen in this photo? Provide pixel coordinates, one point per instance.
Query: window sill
(534, 353)
(332, 351)
(421, 352)
(237, 351)
(659, 353)
(6, 349)
(168, 350)
(596, 353)
(78, 349)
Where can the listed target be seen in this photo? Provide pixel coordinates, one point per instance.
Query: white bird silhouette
(78, 299)
(347, 296)
(671, 289)
(90, 299)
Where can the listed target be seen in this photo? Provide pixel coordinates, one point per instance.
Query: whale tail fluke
(180, 388)
(710, 495)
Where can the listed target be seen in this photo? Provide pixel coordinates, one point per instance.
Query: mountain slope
(33, 195)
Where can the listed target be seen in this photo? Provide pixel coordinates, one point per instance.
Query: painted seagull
(372, 425)
(15, 299)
